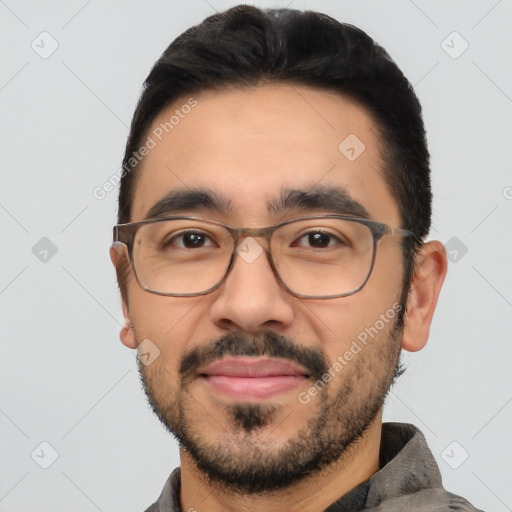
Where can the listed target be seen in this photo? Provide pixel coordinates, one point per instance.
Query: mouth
(252, 378)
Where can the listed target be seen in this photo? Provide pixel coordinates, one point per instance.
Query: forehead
(249, 145)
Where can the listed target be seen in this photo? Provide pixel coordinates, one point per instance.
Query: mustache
(267, 344)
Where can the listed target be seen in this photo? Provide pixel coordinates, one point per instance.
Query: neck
(314, 493)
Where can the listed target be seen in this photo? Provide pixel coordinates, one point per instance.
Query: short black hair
(246, 46)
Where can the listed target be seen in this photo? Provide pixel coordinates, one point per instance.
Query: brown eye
(318, 240)
(189, 240)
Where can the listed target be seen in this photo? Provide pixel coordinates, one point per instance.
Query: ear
(127, 334)
(431, 268)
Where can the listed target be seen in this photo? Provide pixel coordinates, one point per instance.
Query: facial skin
(249, 146)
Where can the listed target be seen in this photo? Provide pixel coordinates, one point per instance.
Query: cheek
(161, 384)
(168, 322)
(161, 316)
(367, 316)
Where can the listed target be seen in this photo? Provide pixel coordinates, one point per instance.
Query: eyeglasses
(318, 257)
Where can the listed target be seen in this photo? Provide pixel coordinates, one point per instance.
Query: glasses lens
(181, 256)
(317, 257)
(323, 257)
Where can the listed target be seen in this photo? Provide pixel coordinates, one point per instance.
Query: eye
(189, 240)
(318, 240)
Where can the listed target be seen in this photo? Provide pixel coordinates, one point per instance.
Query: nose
(251, 298)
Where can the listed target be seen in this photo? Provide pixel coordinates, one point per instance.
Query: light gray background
(65, 377)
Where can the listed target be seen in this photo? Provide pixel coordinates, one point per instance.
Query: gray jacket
(408, 481)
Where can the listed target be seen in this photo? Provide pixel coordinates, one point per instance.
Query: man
(272, 262)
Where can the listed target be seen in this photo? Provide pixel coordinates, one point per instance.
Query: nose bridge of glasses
(248, 253)
(240, 234)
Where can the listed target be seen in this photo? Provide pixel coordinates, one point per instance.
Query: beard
(248, 459)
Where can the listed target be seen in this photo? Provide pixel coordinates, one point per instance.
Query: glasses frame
(125, 234)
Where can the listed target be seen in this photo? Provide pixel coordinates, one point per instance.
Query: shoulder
(169, 500)
(459, 504)
(426, 500)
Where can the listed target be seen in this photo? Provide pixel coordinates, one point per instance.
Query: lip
(252, 378)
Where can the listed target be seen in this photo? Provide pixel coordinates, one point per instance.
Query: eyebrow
(328, 199)
(178, 201)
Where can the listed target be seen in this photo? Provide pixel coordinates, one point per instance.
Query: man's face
(250, 147)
